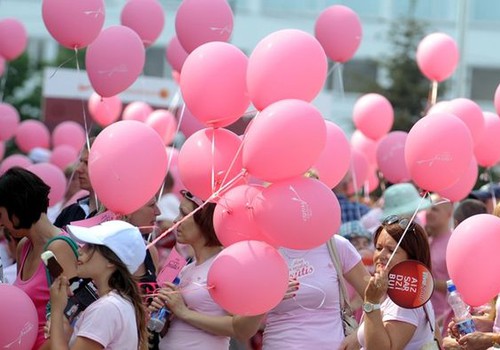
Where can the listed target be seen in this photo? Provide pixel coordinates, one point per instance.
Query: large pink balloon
(19, 319)
(333, 162)
(74, 24)
(373, 115)
(114, 60)
(201, 21)
(460, 189)
(233, 216)
(470, 113)
(137, 110)
(175, 54)
(13, 38)
(472, 258)
(284, 140)
(207, 153)
(438, 151)
(104, 111)
(32, 133)
(145, 17)
(164, 123)
(301, 213)
(437, 56)
(248, 278)
(14, 160)
(63, 156)
(391, 157)
(69, 133)
(339, 31)
(53, 177)
(9, 121)
(223, 67)
(487, 150)
(365, 145)
(127, 165)
(287, 64)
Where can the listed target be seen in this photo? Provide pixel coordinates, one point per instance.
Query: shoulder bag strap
(344, 299)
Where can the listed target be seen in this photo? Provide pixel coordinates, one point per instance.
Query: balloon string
(434, 92)
(213, 159)
(355, 185)
(338, 80)
(407, 227)
(4, 81)
(313, 287)
(61, 65)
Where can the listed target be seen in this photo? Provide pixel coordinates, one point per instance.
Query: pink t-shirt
(311, 320)
(182, 335)
(439, 301)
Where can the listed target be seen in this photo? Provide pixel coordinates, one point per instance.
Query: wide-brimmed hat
(352, 229)
(403, 199)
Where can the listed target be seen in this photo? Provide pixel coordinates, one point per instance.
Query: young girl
(111, 254)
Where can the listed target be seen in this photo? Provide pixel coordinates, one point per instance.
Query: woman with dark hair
(386, 325)
(23, 212)
(197, 322)
(111, 254)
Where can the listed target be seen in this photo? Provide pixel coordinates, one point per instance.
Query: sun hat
(124, 239)
(403, 199)
(352, 229)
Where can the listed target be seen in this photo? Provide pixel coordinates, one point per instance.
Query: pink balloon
(437, 56)
(32, 133)
(472, 258)
(74, 24)
(460, 189)
(233, 216)
(164, 123)
(175, 54)
(9, 121)
(176, 76)
(238, 269)
(441, 106)
(13, 38)
(114, 60)
(339, 31)
(360, 168)
(2, 150)
(69, 133)
(189, 124)
(19, 319)
(438, 151)
(270, 150)
(373, 115)
(127, 165)
(14, 160)
(104, 111)
(2, 65)
(145, 17)
(53, 177)
(496, 99)
(365, 145)
(223, 67)
(63, 156)
(487, 150)
(201, 21)
(207, 153)
(391, 157)
(470, 113)
(137, 110)
(301, 213)
(287, 64)
(333, 162)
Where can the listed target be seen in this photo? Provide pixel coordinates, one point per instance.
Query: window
(484, 83)
(357, 75)
(155, 62)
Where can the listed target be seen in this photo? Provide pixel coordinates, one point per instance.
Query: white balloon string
(213, 160)
(338, 80)
(323, 298)
(434, 92)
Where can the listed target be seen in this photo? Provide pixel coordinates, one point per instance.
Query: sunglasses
(401, 221)
(189, 196)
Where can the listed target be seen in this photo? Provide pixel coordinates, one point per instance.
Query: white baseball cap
(124, 239)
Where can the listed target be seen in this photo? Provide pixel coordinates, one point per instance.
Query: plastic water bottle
(159, 317)
(463, 318)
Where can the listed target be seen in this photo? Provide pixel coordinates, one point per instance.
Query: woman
(112, 253)
(386, 325)
(197, 322)
(23, 212)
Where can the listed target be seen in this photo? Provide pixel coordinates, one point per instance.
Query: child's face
(360, 243)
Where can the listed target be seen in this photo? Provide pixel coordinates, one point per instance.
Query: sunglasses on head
(189, 196)
(401, 221)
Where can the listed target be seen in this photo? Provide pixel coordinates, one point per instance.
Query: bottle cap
(450, 286)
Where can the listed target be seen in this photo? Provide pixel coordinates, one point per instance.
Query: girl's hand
(59, 292)
(172, 298)
(293, 287)
(377, 287)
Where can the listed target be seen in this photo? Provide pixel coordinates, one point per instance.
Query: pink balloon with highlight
(13, 37)
(338, 29)
(373, 115)
(145, 17)
(74, 24)
(69, 133)
(487, 150)
(365, 145)
(114, 60)
(175, 54)
(9, 121)
(465, 184)
(32, 133)
(198, 22)
(137, 110)
(63, 156)
(53, 177)
(164, 123)
(271, 150)
(104, 110)
(213, 83)
(438, 151)
(470, 113)
(472, 241)
(360, 168)
(14, 160)
(437, 56)
(391, 157)
(287, 64)
(238, 269)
